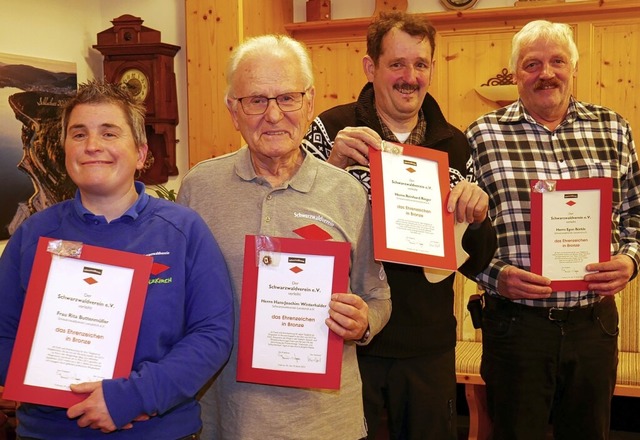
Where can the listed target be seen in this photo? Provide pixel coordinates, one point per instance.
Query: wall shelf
(347, 29)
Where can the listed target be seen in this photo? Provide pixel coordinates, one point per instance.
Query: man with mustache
(551, 355)
(409, 368)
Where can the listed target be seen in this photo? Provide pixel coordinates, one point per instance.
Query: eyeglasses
(257, 105)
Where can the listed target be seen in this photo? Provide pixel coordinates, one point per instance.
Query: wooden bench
(469, 352)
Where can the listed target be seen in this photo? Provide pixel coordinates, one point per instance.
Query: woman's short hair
(99, 92)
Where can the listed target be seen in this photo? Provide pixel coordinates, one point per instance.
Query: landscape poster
(32, 173)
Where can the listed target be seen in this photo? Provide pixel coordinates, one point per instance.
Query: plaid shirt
(416, 136)
(509, 149)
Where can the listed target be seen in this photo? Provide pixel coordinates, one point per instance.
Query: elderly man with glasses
(273, 187)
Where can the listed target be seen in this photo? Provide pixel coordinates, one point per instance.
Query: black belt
(559, 314)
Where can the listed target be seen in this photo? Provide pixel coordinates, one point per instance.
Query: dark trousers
(418, 393)
(541, 368)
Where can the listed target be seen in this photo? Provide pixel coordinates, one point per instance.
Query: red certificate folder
(382, 251)
(15, 386)
(570, 188)
(246, 372)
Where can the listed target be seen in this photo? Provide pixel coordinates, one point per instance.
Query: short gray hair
(560, 33)
(270, 43)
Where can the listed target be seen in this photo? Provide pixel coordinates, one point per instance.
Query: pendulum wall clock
(135, 58)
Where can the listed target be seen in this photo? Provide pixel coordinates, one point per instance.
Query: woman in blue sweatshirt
(186, 330)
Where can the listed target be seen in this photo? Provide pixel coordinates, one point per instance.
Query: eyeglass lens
(257, 105)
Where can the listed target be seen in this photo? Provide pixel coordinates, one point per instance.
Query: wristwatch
(365, 337)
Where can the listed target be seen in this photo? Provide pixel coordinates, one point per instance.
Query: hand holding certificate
(570, 228)
(78, 308)
(287, 286)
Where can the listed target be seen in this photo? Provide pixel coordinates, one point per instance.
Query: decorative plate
(458, 4)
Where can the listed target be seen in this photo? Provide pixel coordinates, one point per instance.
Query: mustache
(406, 87)
(546, 83)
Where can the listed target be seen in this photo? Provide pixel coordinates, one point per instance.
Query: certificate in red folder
(409, 190)
(570, 228)
(79, 322)
(286, 289)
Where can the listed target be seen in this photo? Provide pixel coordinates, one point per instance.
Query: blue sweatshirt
(186, 331)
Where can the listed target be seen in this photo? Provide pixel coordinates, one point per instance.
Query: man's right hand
(516, 283)
(351, 146)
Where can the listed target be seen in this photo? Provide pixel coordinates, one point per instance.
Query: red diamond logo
(295, 269)
(157, 268)
(312, 232)
(90, 280)
(411, 170)
(571, 203)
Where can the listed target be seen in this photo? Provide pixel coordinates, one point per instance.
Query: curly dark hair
(414, 25)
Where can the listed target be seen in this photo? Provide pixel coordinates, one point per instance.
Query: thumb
(83, 388)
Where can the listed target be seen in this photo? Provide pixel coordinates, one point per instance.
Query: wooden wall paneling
(583, 11)
(616, 76)
(266, 17)
(454, 79)
(338, 72)
(583, 84)
(466, 60)
(212, 32)
(214, 28)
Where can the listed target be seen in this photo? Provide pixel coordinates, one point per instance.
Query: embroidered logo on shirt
(157, 269)
(315, 217)
(312, 232)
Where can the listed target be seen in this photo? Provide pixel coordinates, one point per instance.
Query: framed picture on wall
(32, 173)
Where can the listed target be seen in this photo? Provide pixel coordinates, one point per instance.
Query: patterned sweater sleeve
(317, 140)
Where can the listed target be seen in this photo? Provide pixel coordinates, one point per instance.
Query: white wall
(65, 30)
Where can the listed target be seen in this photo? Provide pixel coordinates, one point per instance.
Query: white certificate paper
(80, 324)
(409, 189)
(286, 289)
(570, 228)
(413, 204)
(292, 304)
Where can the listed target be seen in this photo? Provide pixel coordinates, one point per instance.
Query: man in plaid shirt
(551, 355)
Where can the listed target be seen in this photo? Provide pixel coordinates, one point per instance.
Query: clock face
(136, 82)
(458, 4)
